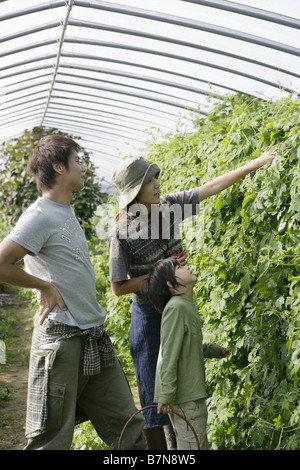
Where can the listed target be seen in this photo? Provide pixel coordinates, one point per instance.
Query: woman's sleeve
(187, 200)
(119, 261)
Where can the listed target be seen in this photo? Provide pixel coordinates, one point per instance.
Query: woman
(138, 240)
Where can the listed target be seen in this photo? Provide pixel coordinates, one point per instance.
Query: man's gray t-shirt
(58, 253)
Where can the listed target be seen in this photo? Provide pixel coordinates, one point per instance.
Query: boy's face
(184, 275)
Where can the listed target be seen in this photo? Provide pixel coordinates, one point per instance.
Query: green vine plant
(244, 246)
(245, 249)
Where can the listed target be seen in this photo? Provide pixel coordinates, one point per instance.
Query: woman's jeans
(144, 342)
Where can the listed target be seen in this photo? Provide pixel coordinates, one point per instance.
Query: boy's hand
(224, 353)
(48, 297)
(163, 409)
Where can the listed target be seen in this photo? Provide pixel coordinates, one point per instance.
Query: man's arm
(48, 296)
(228, 179)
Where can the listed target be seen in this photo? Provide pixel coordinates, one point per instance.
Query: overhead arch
(113, 71)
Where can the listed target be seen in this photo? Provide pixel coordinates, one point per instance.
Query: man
(74, 374)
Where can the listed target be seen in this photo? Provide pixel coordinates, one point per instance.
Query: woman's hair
(125, 214)
(50, 149)
(156, 287)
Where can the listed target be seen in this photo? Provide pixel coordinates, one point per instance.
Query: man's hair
(49, 149)
(156, 285)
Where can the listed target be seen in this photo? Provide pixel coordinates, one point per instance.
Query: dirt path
(14, 376)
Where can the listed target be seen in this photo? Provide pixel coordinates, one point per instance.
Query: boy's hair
(156, 288)
(50, 149)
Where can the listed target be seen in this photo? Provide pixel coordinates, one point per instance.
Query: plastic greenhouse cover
(113, 71)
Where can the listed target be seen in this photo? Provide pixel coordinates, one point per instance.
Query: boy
(74, 374)
(180, 374)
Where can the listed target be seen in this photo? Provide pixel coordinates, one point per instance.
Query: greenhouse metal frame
(114, 72)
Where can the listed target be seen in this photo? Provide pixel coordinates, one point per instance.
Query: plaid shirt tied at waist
(98, 353)
(98, 349)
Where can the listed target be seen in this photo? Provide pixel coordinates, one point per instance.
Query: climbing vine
(244, 248)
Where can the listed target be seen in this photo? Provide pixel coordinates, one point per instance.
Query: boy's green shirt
(180, 373)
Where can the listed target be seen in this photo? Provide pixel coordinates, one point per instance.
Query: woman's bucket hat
(131, 176)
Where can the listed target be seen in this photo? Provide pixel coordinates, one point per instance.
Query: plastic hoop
(154, 406)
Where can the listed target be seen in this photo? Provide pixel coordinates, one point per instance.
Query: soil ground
(14, 378)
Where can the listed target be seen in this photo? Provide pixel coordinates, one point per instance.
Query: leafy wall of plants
(244, 247)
